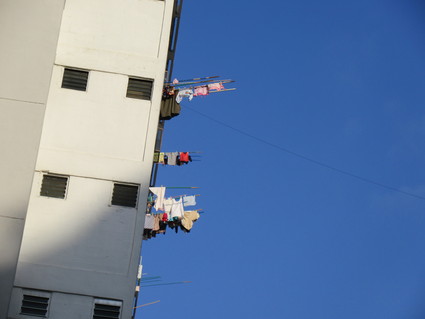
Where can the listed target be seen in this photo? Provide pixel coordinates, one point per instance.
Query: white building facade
(72, 226)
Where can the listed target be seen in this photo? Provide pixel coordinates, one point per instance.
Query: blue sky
(341, 83)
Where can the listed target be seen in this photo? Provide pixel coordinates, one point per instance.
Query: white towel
(160, 194)
(189, 200)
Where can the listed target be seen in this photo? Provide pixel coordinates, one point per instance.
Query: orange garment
(184, 157)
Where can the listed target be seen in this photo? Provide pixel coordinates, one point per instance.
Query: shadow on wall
(81, 243)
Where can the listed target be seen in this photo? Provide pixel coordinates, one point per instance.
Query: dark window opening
(139, 89)
(54, 186)
(125, 195)
(75, 79)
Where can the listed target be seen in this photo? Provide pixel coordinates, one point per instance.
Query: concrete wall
(83, 247)
(28, 36)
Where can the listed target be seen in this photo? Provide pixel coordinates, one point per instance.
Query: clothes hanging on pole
(184, 93)
(215, 86)
(172, 158)
(149, 221)
(177, 209)
(160, 194)
(168, 203)
(188, 218)
(201, 90)
(185, 158)
(161, 158)
(189, 200)
(170, 108)
(157, 220)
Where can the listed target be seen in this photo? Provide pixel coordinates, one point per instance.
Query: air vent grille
(54, 186)
(34, 306)
(75, 79)
(125, 195)
(106, 311)
(139, 89)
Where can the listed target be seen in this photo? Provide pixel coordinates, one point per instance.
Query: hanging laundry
(201, 90)
(177, 209)
(175, 81)
(168, 203)
(161, 158)
(156, 221)
(215, 86)
(189, 200)
(188, 218)
(170, 108)
(160, 194)
(172, 158)
(167, 92)
(164, 217)
(184, 158)
(184, 93)
(149, 221)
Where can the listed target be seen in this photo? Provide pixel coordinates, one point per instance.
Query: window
(35, 306)
(139, 89)
(125, 195)
(54, 186)
(106, 309)
(75, 79)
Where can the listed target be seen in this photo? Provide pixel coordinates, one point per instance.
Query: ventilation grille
(75, 79)
(54, 186)
(35, 306)
(125, 195)
(139, 89)
(106, 311)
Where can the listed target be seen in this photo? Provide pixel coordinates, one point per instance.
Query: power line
(311, 160)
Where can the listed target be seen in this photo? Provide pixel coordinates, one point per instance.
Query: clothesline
(192, 152)
(184, 195)
(200, 84)
(232, 89)
(195, 79)
(188, 187)
(184, 85)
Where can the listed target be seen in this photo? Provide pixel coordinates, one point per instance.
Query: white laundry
(177, 209)
(184, 93)
(160, 194)
(189, 200)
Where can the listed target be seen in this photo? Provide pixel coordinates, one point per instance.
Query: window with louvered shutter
(35, 306)
(104, 309)
(75, 79)
(139, 89)
(125, 195)
(54, 186)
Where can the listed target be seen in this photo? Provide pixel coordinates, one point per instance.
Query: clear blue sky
(340, 82)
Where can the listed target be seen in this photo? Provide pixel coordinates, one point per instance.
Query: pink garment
(202, 90)
(216, 86)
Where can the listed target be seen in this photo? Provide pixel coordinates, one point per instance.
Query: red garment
(165, 217)
(184, 157)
